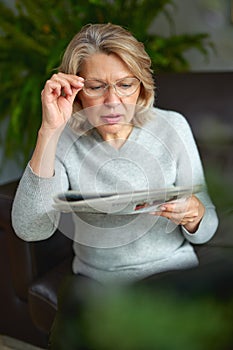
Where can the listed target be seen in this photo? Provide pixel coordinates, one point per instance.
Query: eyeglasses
(123, 87)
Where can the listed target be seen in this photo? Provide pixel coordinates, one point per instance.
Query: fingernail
(162, 208)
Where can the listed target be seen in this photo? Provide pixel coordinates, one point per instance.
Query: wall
(207, 16)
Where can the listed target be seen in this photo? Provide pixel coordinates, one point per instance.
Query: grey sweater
(120, 248)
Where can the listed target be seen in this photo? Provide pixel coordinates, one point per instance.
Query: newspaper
(124, 203)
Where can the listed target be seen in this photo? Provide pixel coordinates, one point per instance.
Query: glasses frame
(107, 86)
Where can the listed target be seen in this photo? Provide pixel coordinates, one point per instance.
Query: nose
(111, 98)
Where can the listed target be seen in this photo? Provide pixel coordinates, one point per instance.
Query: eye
(94, 85)
(124, 85)
(128, 84)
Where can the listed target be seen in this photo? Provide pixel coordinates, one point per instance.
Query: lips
(111, 119)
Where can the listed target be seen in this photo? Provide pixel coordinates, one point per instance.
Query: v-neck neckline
(117, 151)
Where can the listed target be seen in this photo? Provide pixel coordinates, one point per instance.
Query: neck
(117, 139)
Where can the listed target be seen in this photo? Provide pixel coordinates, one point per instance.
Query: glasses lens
(127, 86)
(124, 87)
(94, 87)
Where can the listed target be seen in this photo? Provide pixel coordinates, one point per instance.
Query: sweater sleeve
(33, 217)
(190, 172)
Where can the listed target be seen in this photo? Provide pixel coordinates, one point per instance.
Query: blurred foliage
(220, 188)
(34, 34)
(143, 319)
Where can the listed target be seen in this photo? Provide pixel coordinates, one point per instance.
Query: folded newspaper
(121, 203)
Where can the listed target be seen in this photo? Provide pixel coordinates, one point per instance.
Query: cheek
(92, 111)
(134, 98)
(86, 101)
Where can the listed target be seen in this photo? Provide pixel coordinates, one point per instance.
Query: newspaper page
(121, 203)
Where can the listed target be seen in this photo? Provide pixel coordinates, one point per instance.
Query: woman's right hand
(57, 100)
(57, 103)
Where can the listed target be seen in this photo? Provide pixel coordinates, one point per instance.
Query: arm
(196, 215)
(57, 102)
(33, 217)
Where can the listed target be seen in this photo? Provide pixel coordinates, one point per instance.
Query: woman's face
(109, 113)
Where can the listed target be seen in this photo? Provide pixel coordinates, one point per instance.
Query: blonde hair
(111, 39)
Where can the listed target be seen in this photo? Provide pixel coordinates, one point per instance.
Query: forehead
(104, 67)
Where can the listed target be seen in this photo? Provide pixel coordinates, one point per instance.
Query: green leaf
(33, 36)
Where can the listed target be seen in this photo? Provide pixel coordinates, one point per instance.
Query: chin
(110, 128)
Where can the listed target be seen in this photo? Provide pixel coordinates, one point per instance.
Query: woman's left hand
(187, 212)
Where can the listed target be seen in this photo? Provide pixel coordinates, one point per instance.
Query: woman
(100, 133)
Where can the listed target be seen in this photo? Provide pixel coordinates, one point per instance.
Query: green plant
(33, 36)
(158, 318)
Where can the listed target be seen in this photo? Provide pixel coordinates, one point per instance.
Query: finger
(178, 220)
(72, 80)
(74, 94)
(51, 89)
(178, 206)
(157, 213)
(186, 221)
(176, 217)
(67, 84)
(62, 84)
(178, 210)
(73, 86)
